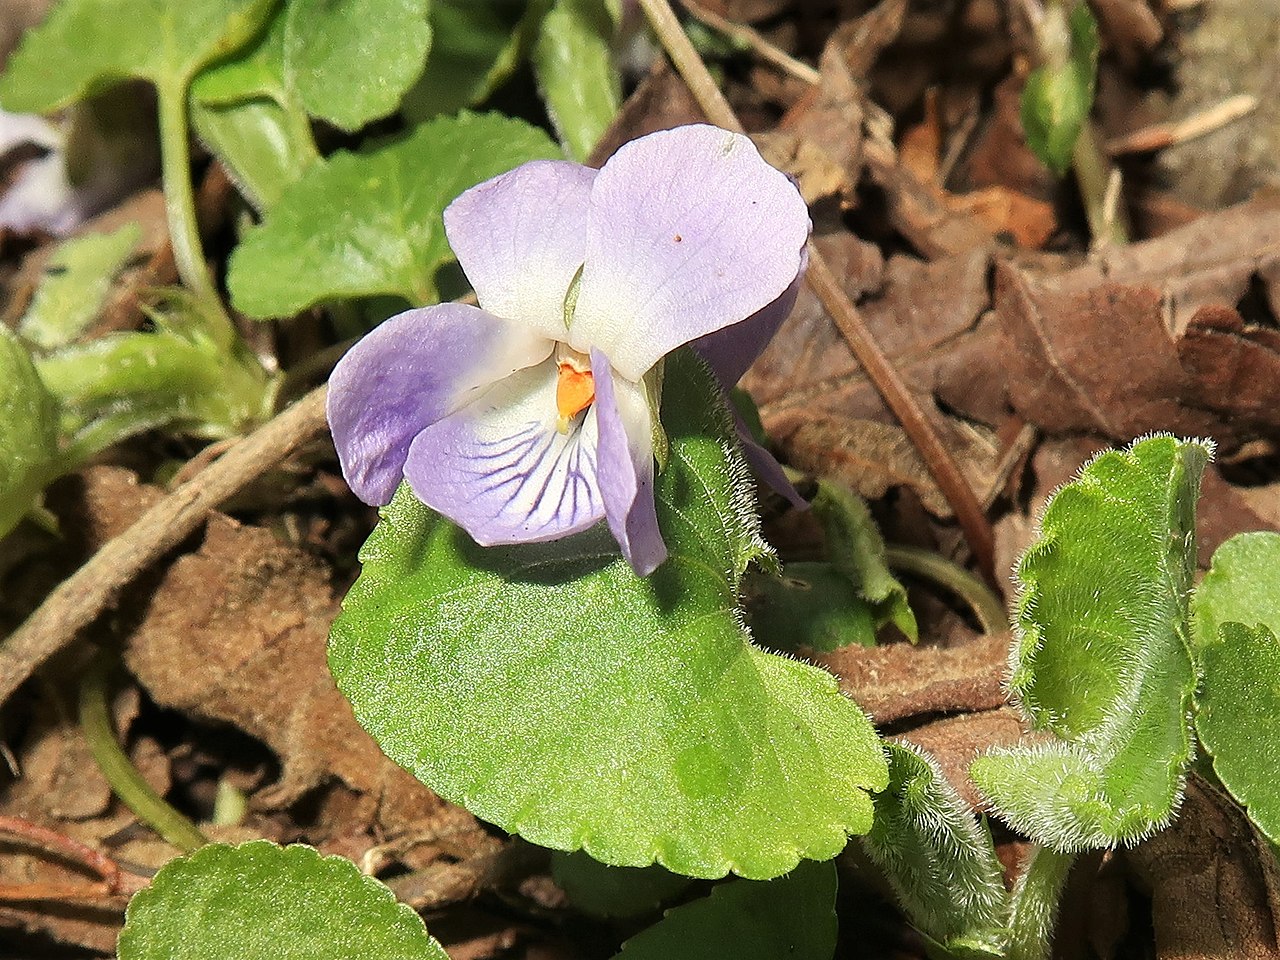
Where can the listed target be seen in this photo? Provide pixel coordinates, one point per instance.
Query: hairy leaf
(606, 891)
(553, 692)
(28, 432)
(1058, 96)
(351, 61)
(85, 43)
(1101, 653)
(258, 901)
(573, 62)
(76, 281)
(938, 859)
(857, 550)
(177, 375)
(1238, 718)
(363, 224)
(793, 916)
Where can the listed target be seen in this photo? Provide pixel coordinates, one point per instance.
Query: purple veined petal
(730, 351)
(689, 231)
(626, 466)
(409, 372)
(500, 470)
(520, 239)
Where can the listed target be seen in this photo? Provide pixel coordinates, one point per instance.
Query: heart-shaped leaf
(363, 224)
(352, 60)
(553, 692)
(84, 42)
(258, 901)
(1238, 718)
(1101, 655)
(1242, 586)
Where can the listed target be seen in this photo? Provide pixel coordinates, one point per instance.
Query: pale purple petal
(689, 231)
(520, 239)
(626, 466)
(730, 351)
(765, 466)
(411, 371)
(500, 470)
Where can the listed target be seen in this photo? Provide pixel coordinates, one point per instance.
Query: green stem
(1108, 223)
(1036, 897)
(936, 568)
(121, 774)
(180, 205)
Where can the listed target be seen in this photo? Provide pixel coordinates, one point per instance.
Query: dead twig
(79, 599)
(823, 282)
(1157, 136)
(114, 881)
(758, 45)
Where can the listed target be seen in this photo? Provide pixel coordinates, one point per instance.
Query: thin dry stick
(1157, 136)
(822, 280)
(761, 47)
(114, 881)
(79, 600)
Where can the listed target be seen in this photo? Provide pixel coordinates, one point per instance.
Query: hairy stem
(121, 774)
(1036, 897)
(934, 567)
(822, 280)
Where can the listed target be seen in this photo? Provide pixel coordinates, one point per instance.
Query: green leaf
(478, 45)
(87, 43)
(250, 116)
(1057, 97)
(1242, 586)
(553, 692)
(351, 61)
(856, 549)
(793, 917)
(363, 224)
(263, 146)
(258, 901)
(940, 862)
(176, 376)
(606, 891)
(811, 606)
(1101, 653)
(29, 456)
(573, 62)
(77, 278)
(1238, 715)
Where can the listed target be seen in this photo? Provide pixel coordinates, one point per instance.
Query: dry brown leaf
(872, 458)
(1028, 220)
(1212, 882)
(1149, 337)
(898, 680)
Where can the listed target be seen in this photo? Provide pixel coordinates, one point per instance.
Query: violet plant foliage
(496, 644)
(532, 417)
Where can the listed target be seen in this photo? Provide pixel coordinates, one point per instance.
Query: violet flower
(532, 417)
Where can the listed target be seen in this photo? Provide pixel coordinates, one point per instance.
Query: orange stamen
(575, 390)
